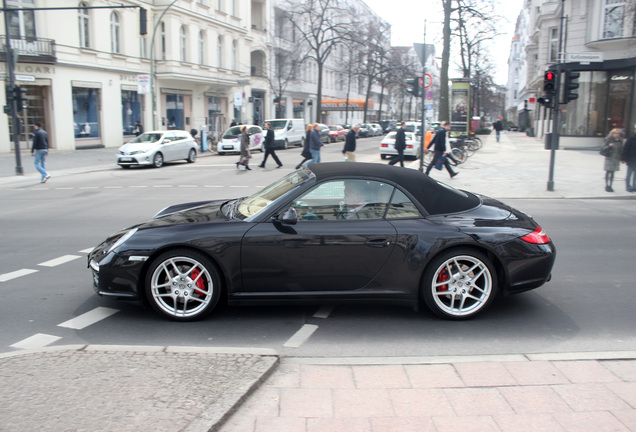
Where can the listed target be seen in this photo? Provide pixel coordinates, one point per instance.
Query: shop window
(174, 111)
(585, 116)
(130, 110)
(86, 112)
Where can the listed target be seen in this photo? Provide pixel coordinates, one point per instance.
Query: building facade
(90, 75)
(603, 30)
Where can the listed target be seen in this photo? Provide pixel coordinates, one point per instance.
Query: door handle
(378, 243)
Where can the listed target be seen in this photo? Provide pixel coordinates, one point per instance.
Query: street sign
(29, 78)
(143, 84)
(429, 95)
(429, 80)
(584, 57)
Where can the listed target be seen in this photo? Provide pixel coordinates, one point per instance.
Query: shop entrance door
(621, 84)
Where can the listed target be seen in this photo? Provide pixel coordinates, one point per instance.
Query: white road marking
(16, 274)
(61, 260)
(113, 187)
(301, 336)
(38, 340)
(188, 186)
(89, 250)
(89, 187)
(138, 186)
(238, 186)
(213, 186)
(324, 312)
(162, 186)
(90, 317)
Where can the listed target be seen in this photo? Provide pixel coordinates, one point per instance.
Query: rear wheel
(183, 285)
(459, 284)
(286, 145)
(192, 156)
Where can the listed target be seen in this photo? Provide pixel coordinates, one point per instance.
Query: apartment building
(90, 75)
(603, 33)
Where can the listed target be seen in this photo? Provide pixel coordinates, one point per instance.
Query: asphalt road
(48, 296)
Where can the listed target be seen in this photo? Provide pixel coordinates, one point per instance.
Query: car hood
(188, 213)
(137, 147)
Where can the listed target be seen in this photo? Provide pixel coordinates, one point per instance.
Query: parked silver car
(156, 147)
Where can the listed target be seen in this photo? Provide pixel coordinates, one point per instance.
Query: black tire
(383, 156)
(157, 160)
(183, 285)
(192, 156)
(125, 166)
(286, 145)
(459, 284)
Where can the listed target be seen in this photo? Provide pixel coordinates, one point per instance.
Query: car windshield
(278, 124)
(233, 132)
(256, 203)
(147, 137)
(333, 128)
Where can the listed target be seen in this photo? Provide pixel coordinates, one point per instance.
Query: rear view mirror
(289, 217)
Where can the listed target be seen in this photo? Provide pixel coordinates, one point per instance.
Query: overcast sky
(407, 27)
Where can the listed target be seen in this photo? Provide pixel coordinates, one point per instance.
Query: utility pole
(556, 103)
(12, 58)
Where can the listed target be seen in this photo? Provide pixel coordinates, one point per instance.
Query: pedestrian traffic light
(19, 94)
(143, 28)
(413, 86)
(546, 101)
(569, 86)
(549, 82)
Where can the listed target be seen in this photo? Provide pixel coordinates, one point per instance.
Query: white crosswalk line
(38, 340)
(301, 336)
(324, 312)
(89, 250)
(61, 260)
(16, 274)
(88, 318)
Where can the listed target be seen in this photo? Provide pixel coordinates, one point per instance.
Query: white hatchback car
(156, 147)
(387, 146)
(231, 139)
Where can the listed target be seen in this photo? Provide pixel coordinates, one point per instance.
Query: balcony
(30, 50)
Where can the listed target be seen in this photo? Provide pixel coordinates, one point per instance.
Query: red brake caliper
(200, 283)
(443, 277)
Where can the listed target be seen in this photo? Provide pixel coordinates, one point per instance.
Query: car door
(170, 145)
(256, 138)
(335, 247)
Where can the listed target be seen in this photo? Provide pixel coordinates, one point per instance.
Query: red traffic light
(549, 82)
(549, 76)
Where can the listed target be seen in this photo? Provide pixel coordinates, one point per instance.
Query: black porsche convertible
(329, 233)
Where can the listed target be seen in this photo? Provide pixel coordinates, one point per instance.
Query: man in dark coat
(268, 145)
(39, 150)
(629, 157)
(439, 146)
(400, 145)
(315, 144)
(350, 144)
(498, 127)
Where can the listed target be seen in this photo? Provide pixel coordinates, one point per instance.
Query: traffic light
(549, 82)
(19, 94)
(570, 86)
(546, 101)
(413, 86)
(143, 29)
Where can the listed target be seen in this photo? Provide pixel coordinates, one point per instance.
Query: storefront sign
(143, 84)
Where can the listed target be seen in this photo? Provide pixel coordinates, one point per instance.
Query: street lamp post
(152, 66)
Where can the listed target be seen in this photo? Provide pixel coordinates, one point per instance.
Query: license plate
(228, 147)
(125, 159)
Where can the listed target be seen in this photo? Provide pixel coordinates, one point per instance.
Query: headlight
(121, 240)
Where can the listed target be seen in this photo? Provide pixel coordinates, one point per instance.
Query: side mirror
(166, 141)
(289, 217)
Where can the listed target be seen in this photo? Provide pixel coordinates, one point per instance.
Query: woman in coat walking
(613, 160)
(245, 149)
(306, 154)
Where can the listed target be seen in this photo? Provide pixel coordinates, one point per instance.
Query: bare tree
(444, 103)
(321, 25)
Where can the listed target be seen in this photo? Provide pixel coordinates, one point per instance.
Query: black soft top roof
(435, 197)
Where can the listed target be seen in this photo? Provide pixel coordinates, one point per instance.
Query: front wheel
(157, 161)
(183, 285)
(459, 284)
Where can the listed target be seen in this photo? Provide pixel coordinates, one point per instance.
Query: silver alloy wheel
(461, 286)
(192, 156)
(181, 287)
(157, 160)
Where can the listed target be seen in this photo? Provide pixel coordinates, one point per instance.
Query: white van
(288, 132)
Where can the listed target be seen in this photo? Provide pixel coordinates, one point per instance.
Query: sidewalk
(119, 388)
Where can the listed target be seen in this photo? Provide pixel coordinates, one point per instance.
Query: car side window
(254, 130)
(344, 200)
(402, 207)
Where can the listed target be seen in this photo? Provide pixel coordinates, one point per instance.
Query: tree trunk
(444, 105)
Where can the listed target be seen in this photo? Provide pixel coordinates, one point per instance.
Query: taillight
(538, 236)
(384, 145)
